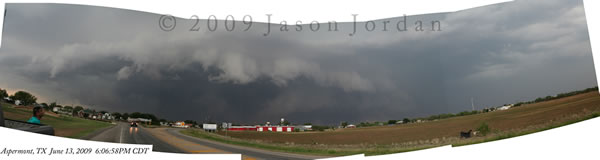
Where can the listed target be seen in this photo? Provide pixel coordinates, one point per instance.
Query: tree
(186, 122)
(52, 105)
(344, 124)
(307, 123)
(392, 122)
(24, 97)
(77, 109)
(3, 93)
(285, 123)
(68, 108)
(125, 115)
(117, 115)
(483, 129)
(135, 115)
(153, 118)
(46, 107)
(405, 120)
(87, 112)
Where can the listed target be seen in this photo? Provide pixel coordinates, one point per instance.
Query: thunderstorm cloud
(120, 60)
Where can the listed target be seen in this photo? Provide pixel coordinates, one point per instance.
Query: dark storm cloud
(120, 60)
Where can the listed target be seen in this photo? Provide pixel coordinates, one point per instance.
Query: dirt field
(513, 119)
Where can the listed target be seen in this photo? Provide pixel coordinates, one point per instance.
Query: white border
(577, 141)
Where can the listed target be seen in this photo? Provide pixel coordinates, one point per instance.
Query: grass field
(390, 139)
(64, 126)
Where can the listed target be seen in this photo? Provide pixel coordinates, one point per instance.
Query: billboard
(209, 126)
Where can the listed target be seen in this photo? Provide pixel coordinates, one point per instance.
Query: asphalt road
(124, 133)
(246, 151)
(170, 140)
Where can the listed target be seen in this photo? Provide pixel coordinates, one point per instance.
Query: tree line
(27, 99)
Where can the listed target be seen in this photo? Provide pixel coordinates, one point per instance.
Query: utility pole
(472, 104)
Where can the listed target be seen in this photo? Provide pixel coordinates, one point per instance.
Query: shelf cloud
(120, 60)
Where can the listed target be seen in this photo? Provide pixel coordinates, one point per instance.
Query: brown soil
(513, 119)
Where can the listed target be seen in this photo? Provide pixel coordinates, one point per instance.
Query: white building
(107, 116)
(304, 127)
(505, 107)
(62, 111)
(148, 121)
(180, 124)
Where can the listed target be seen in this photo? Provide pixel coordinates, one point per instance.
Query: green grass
(70, 123)
(290, 149)
(297, 149)
(71, 127)
(5, 108)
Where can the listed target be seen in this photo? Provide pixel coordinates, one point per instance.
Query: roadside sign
(206, 126)
(225, 125)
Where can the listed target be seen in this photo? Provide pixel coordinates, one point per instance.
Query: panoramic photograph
(293, 89)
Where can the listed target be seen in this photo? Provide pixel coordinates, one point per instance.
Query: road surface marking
(121, 136)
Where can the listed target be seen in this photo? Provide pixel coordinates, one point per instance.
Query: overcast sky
(120, 60)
